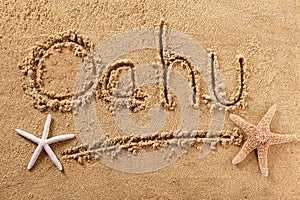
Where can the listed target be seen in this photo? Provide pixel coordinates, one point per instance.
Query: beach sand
(266, 35)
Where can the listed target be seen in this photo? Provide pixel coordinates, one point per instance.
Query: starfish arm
(35, 156)
(60, 138)
(280, 138)
(248, 146)
(46, 127)
(262, 153)
(28, 136)
(247, 127)
(53, 157)
(265, 122)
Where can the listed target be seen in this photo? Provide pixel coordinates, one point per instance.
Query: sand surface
(265, 33)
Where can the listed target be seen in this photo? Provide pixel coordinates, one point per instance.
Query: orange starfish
(259, 137)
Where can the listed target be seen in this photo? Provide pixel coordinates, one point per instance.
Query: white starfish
(43, 143)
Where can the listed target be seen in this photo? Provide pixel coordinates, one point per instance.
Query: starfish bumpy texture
(43, 143)
(259, 137)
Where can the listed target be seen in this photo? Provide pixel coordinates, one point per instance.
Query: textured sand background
(267, 34)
